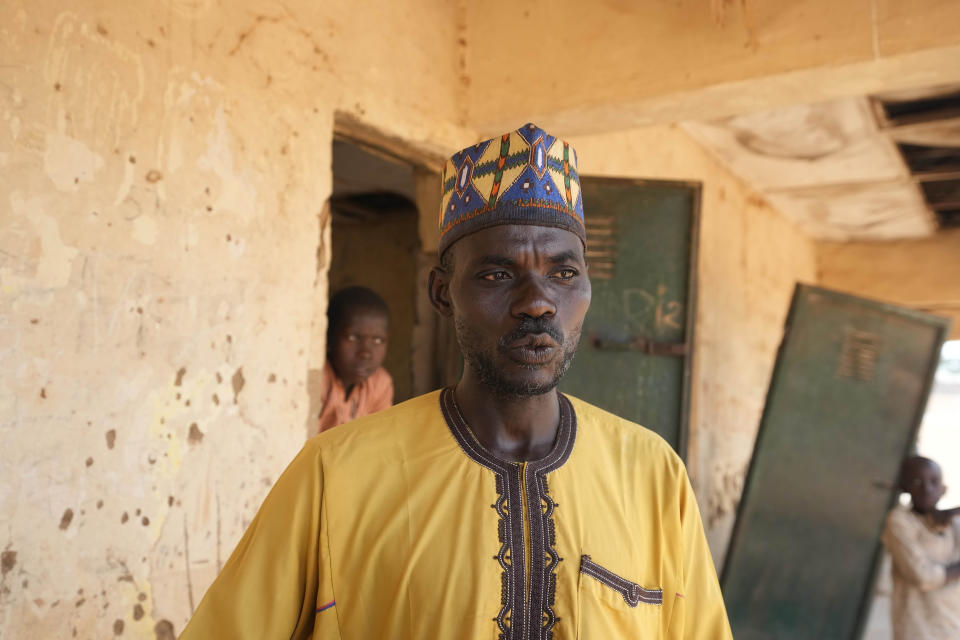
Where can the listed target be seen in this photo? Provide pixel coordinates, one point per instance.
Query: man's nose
(533, 299)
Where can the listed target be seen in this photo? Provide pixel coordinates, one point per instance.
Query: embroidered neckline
(516, 620)
(559, 451)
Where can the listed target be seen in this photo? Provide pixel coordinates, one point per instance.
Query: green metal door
(635, 356)
(845, 400)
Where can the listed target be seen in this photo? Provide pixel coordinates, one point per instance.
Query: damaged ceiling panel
(904, 108)
(943, 196)
(875, 168)
(862, 211)
(930, 161)
(926, 129)
(804, 146)
(949, 218)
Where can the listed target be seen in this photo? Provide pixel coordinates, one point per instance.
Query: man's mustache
(534, 326)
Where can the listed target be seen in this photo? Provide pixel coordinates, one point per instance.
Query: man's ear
(439, 288)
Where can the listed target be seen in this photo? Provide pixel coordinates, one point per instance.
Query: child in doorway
(354, 382)
(924, 544)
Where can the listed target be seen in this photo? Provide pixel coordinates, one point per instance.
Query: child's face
(360, 348)
(925, 484)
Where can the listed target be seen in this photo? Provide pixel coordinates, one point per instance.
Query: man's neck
(514, 429)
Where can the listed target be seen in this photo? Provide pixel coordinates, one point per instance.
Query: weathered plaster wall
(750, 259)
(921, 274)
(614, 64)
(163, 167)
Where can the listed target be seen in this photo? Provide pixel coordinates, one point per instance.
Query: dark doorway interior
(375, 242)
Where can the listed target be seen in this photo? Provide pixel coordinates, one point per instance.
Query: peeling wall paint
(164, 167)
(68, 162)
(53, 260)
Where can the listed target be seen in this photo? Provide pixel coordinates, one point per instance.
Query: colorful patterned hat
(523, 177)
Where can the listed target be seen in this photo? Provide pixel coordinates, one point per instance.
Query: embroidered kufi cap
(525, 176)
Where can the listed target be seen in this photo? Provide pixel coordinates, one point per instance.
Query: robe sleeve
(698, 611)
(278, 577)
(908, 557)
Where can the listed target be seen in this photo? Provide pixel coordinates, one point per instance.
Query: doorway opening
(375, 243)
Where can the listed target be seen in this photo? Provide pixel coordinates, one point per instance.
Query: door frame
(696, 191)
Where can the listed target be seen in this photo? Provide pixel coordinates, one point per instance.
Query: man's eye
(378, 341)
(496, 275)
(351, 337)
(566, 274)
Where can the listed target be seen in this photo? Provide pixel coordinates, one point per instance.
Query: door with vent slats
(635, 356)
(845, 400)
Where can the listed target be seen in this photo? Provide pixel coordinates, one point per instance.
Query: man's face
(360, 346)
(518, 295)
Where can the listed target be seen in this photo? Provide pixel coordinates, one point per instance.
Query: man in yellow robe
(498, 508)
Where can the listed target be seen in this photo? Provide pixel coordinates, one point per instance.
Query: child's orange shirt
(372, 395)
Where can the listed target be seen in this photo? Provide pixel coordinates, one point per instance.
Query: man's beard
(481, 361)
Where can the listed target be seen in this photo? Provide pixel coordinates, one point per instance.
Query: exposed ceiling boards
(834, 170)
(926, 129)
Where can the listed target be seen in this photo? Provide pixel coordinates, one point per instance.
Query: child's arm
(953, 572)
(944, 516)
(909, 558)
(381, 391)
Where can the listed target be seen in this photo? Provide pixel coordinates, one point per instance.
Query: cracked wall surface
(163, 168)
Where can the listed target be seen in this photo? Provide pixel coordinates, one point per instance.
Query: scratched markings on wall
(156, 294)
(98, 83)
(162, 172)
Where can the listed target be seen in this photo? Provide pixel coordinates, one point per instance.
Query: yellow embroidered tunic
(401, 525)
